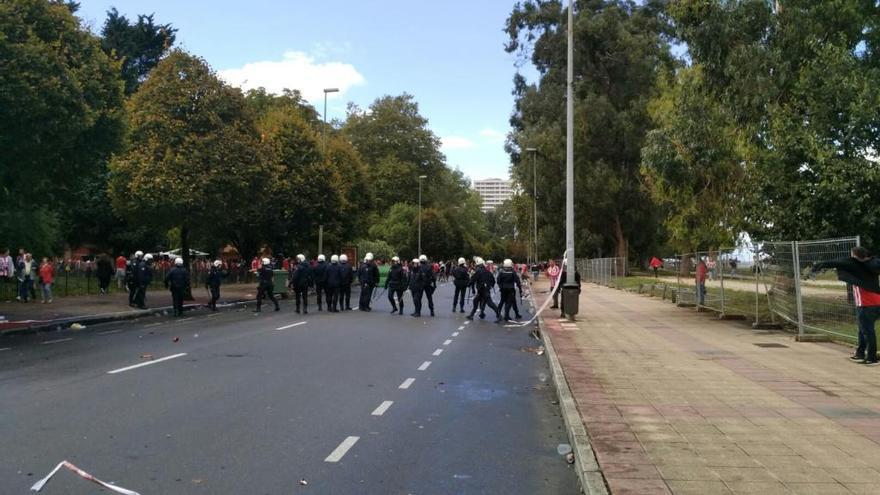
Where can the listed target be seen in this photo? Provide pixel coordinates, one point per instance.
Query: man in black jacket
(301, 281)
(266, 287)
(368, 277)
(483, 281)
(861, 270)
(460, 279)
(416, 287)
(333, 280)
(320, 278)
(143, 275)
(430, 281)
(397, 283)
(508, 283)
(345, 286)
(213, 282)
(178, 281)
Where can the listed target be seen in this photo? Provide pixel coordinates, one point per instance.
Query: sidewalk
(23, 315)
(677, 402)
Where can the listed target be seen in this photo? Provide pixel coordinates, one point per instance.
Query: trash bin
(279, 279)
(570, 297)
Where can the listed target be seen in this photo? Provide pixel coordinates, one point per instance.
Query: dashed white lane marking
(467, 323)
(461, 327)
(108, 332)
(423, 367)
(455, 334)
(343, 448)
(6, 349)
(153, 324)
(438, 352)
(147, 363)
(186, 319)
(285, 327)
(382, 408)
(447, 341)
(406, 383)
(57, 341)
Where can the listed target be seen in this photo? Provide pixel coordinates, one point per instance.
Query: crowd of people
(28, 275)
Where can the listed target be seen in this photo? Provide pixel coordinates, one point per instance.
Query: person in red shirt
(655, 265)
(47, 276)
(861, 270)
(553, 274)
(120, 271)
(700, 278)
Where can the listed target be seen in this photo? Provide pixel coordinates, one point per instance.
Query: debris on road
(535, 350)
(570, 458)
(175, 339)
(147, 355)
(77, 326)
(303, 482)
(82, 474)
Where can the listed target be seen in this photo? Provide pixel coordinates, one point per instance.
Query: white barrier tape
(546, 302)
(84, 475)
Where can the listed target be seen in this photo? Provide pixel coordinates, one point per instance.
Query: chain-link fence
(769, 283)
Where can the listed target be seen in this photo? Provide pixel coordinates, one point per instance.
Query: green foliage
(137, 46)
(381, 250)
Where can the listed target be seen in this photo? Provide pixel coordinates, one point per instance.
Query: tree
(60, 116)
(193, 150)
(137, 46)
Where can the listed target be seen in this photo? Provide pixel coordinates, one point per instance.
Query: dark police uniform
(483, 281)
(301, 281)
(430, 284)
(332, 281)
(320, 277)
(143, 275)
(508, 283)
(368, 277)
(178, 281)
(460, 279)
(266, 287)
(215, 279)
(396, 282)
(345, 286)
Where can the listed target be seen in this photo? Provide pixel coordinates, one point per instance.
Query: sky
(449, 55)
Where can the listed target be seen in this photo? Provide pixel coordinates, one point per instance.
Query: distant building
(493, 191)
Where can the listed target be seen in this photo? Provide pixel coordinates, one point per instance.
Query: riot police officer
(143, 275)
(508, 283)
(177, 280)
(460, 279)
(266, 287)
(430, 281)
(345, 286)
(396, 282)
(333, 280)
(215, 278)
(416, 286)
(368, 277)
(483, 281)
(130, 273)
(301, 281)
(320, 277)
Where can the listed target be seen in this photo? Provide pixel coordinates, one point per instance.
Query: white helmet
(139, 254)
(461, 261)
(321, 257)
(300, 257)
(368, 258)
(415, 261)
(266, 261)
(148, 257)
(218, 263)
(395, 259)
(508, 263)
(489, 262)
(479, 261)
(178, 261)
(334, 259)
(343, 258)
(423, 258)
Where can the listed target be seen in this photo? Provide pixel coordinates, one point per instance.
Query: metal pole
(797, 288)
(321, 239)
(535, 199)
(756, 267)
(721, 272)
(420, 217)
(569, 154)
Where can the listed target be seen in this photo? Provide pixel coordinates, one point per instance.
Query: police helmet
(508, 263)
(300, 257)
(334, 259)
(423, 258)
(461, 261)
(139, 254)
(148, 257)
(218, 263)
(415, 261)
(343, 258)
(178, 261)
(321, 257)
(395, 259)
(266, 261)
(369, 257)
(479, 261)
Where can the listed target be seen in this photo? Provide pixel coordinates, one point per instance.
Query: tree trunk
(621, 245)
(184, 248)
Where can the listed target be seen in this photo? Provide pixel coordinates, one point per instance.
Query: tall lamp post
(534, 152)
(324, 149)
(569, 291)
(420, 212)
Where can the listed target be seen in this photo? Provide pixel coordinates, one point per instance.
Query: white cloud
(296, 70)
(492, 135)
(456, 143)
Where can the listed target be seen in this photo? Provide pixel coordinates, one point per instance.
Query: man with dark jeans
(861, 270)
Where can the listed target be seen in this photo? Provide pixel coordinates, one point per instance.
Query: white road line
(186, 319)
(461, 327)
(447, 341)
(147, 363)
(153, 324)
(467, 323)
(406, 383)
(343, 448)
(382, 408)
(108, 332)
(423, 367)
(438, 352)
(455, 334)
(285, 327)
(6, 349)
(57, 341)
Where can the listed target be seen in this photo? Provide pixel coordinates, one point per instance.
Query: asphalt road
(243, 405)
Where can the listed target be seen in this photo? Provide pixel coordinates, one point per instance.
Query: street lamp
(534, 152)
(420, 212)
(570, 292)
(324, 150)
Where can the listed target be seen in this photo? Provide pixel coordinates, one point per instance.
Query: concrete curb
(57, 324)
(587, 467)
